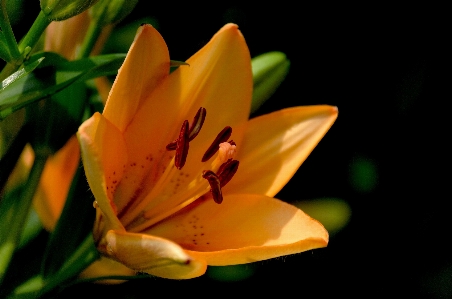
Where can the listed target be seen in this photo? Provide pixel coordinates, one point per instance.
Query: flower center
(227, 149)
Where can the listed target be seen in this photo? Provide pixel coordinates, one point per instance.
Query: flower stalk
(15, 211)
(26, 44)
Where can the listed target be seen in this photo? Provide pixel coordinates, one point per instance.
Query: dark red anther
(232, 142)
(171, 146)
(195, 127)
(227, 171)
(197, 123)
(182, 146)
(223, 136)
(215, 185)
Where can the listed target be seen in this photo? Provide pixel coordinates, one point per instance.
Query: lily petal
(55, 183)
(104, 158)
(219, 79)
(153, 255)
(275, 145)
(146, 64)
(243, 229)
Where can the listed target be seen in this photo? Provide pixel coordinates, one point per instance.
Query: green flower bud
(269, 70)
(112, 11)
(58, 10)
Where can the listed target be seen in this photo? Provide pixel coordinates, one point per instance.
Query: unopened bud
(112, 11)
(269, 70)
(58, 10)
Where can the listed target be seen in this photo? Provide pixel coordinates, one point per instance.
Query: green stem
(84, 256)
(27, 44)
(91, 36)
(35, 32)
(8, 32)
(37, 286)
(21, 208)
(10, 158)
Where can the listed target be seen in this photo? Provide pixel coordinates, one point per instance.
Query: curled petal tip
(230, 26)
(334, 110)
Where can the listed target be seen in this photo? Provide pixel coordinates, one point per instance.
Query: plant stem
(20, 208)
(37, 286)
(91, 36)
(27, 44)
(35, 32)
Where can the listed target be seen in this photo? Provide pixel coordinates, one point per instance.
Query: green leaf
(53, 75)
(4, 51)
(28, 68)
(75, 223)
(14, 209)
(8, 45)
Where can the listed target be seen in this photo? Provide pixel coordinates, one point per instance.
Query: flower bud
(269, 70)
(112, 11)
(58, 10)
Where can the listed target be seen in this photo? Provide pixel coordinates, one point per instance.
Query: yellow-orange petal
(219, 79)
(146, 64)
(242, 229)
(55, 182)
(104, 158)
(275, 145)
(153, 255)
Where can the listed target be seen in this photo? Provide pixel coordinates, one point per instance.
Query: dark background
(384, 66)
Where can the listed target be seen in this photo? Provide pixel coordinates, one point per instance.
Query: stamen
(227, 171)
(197, 123)
(171, 146)
(182, 146)
(195, 127)
(215, 185)
(223, 136)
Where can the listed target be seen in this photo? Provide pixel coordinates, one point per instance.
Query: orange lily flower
(163, 206)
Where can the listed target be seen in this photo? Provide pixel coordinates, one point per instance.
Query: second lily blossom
(157, 200)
